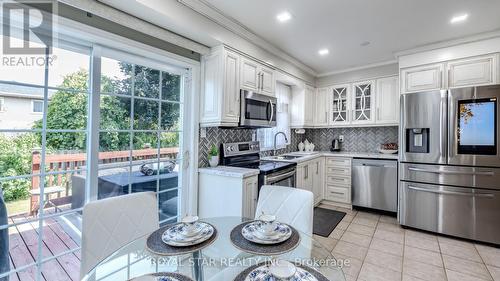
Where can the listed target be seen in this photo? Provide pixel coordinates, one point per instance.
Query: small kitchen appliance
(335, 145)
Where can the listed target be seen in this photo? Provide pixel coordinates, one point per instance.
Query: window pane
(37, 106)
(171, 87)
(147, 82)
(145, 114)
(171, 116)
(69, 263)
(17, 110)
(115, 113)
(170, 140)
(67, 110)
(116, 76)
(70, 70)
(17, 151)
(116, 145)
(27, 72)
(21, 251)
(60, 144)
(145, 146)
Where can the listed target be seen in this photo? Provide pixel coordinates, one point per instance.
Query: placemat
(275, 249)
(177, 276)
(243, 275)
(157, 246)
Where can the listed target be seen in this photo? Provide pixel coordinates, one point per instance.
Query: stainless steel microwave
(257, 110)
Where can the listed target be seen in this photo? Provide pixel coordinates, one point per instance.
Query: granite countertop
(228, 171)
(316, 154)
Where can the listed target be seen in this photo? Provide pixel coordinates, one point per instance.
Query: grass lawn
(18, 207)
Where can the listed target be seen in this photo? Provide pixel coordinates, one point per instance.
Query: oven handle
(489, 173)
(446, 192)
(272, 111)
(270, 180)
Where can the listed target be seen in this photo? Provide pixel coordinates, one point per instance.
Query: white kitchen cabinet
(251, 189)
(422, 78)
(304, 176)
(337, 188)
(340, 105)
(362, 103)
(257, 77)
(220, 97)
(387, 101)
(318, 179)
(481, 70)
(267, 81)
(322, 108)
(302, 107)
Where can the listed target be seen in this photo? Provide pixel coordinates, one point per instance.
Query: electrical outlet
(203, 133)
(341, 138)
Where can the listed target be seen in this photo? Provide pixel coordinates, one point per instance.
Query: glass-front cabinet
(362, 102)
(340, 105)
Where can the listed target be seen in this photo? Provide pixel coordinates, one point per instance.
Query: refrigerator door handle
(488, 173)
(447, 192)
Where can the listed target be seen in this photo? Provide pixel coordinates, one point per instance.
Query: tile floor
(379, 249)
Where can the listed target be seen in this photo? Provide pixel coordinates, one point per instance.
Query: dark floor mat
(325, 221)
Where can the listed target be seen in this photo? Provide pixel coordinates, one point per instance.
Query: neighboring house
(20, 106)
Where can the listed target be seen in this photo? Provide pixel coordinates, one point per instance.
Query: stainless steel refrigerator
(450, 162)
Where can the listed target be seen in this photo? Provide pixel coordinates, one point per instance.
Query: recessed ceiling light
(459, 18)
(323, 52)
(363, 44)
(284, 16)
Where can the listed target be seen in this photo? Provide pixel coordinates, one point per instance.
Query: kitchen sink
(284, 157)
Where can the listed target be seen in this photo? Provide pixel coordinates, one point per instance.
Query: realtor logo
(28, 21)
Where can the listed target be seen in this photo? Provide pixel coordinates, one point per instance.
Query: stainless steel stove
(246, 155)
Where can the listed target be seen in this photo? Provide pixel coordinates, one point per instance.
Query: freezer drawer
(375, 184)
(462, 212)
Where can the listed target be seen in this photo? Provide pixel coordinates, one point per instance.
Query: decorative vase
(301, 146)
(213, 160)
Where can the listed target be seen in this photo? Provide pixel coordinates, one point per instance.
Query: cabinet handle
(306, 172)
(317, 168)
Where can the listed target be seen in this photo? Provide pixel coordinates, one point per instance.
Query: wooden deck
(24, 250)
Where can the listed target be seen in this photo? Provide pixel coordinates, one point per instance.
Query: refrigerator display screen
(477, 126)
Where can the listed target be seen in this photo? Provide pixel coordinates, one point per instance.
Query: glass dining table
(219, 261)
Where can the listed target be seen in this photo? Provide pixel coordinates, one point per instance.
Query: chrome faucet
(275, 135)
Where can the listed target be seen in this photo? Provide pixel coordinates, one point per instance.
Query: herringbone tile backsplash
(355, 139)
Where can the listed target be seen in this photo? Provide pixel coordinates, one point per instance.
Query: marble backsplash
(355, 139)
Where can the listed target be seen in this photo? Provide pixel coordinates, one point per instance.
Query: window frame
(2, 104)
(33, 101)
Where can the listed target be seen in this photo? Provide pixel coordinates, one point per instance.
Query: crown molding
(366, 66)
(449, 43)
(209, 11)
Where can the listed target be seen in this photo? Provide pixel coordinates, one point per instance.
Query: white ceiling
(341, 26)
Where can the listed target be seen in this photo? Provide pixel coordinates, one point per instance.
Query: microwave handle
(272, 111)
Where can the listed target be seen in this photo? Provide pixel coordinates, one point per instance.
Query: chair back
(111, 223)
(290, 205)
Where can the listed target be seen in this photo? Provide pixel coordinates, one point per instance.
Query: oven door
(281, 178)
(257, 110)
(473, 126)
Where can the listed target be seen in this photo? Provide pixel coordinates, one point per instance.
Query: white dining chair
(110, 223)
(292, 206)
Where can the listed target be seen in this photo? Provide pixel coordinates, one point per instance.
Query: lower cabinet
(310, 176)
(338, 181)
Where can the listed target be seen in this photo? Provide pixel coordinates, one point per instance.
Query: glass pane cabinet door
(362, 102)
(339, 108)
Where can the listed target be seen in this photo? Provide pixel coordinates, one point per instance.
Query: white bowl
(388, 151)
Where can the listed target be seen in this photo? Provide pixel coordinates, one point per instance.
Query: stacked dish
(188, 232)
(266, 230)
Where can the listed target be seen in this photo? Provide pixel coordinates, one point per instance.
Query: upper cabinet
(322, 108)
(387, 101)
(225, 72)
(362, 103)
(339, 113)
(472, 71)
(302, 107)
(257, 77)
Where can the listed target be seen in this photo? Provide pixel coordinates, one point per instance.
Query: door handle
(489, 173)
(272, 111)
(447, 192)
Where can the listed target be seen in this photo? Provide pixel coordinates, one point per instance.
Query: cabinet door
(249, 75)
(304, 176)
(340, 105)
(250, 197)
(318, 180)
(472, 71)
(422, 78)
(309, 104)
(231, 87)
(267, 81)
(362, 103)
(321, 111)
(387, 100)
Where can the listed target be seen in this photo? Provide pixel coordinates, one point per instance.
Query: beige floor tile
(455, 242)
(387, 247)
(327, 206)
(358, 239)
(466, 267)
(367, 215)
(343, 225)
(370, 272)
(361, 229)
(347, 211)
(423, 256)
(327, 242)
(407, 277)
(423, 271)
(420, 234)
(457, 276)
(389, 236)
(350, 250)
(452, 249)
(348, 218)
(495, 272)
(422, 243)
(352, 265)
(350, 278)
(382, 259)
(388, 219)
(364, 221)
(490, 255)
(336, 233)
(390, 227)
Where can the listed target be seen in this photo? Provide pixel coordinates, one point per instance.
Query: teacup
(282, 269)
(190, 225)
(268, 224)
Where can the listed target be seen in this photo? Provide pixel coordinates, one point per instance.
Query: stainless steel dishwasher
(375, 184)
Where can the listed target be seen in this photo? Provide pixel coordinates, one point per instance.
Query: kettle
(335, 145)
